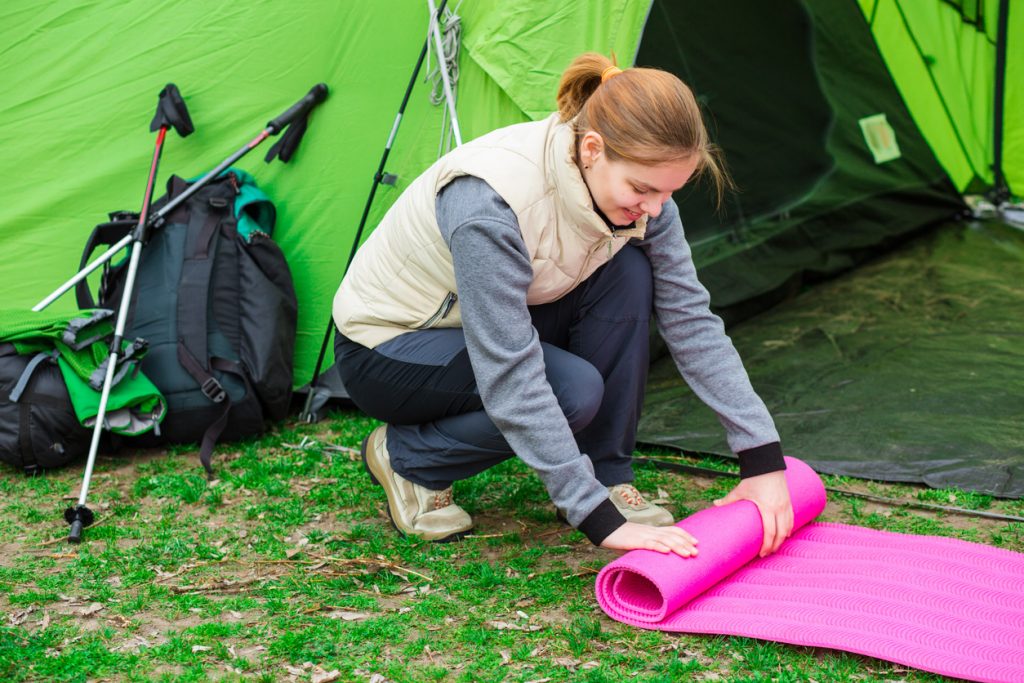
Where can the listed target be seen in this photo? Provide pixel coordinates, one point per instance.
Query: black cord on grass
(893, 502)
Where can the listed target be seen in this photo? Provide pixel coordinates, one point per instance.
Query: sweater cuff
(600, 523)
(761, 460)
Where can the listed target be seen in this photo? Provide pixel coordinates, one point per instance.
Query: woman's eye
(638, 190)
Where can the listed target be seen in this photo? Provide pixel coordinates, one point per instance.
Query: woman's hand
(771, 495)
(662, 539)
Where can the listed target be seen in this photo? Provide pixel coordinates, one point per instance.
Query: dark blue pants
(595, 343)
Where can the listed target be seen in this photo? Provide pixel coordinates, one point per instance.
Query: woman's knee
(578, 386)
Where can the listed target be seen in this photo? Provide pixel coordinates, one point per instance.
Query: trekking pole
(378, 178)
(171, 112)
(295, 115)
(80, 516)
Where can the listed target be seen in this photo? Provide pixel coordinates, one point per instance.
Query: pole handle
(316, 95)
(172, 112)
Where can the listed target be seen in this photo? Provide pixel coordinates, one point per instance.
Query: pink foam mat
(937, 604)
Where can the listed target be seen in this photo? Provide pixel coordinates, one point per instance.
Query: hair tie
(609, 72)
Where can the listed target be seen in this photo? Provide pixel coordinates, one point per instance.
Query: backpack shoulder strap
(104, 234)
(26, 375)
(210, 217)
(29, 462)
(207, 214)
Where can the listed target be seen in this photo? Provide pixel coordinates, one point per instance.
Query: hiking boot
(414, 510)
(633, 507)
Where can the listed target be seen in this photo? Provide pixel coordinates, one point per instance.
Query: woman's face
(625, 190)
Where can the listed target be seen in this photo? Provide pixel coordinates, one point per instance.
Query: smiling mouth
(631, 215)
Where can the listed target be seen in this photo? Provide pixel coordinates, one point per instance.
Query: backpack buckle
(213, 390)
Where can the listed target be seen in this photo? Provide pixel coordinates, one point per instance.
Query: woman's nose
(652, 207)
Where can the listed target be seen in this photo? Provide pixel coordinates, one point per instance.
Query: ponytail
(579, 82)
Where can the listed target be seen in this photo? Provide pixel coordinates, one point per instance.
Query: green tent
(849, 125)
(944, 56)
(80, 86)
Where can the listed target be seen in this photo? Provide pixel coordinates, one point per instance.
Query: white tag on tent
(880, 138)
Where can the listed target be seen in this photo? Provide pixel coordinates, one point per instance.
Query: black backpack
(52, 370)
(38, 426)
(214, 299)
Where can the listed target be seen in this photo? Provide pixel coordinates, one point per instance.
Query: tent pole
(435, 31)
(1000, 192)
(307, 409)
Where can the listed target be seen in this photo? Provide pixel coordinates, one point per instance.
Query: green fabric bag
(81, 343)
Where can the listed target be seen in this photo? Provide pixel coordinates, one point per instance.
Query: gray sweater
(493, 273)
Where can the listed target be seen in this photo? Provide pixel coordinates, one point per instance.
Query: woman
(502, 307)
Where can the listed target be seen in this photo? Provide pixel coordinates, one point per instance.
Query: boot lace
(443, 499)
(630, 495)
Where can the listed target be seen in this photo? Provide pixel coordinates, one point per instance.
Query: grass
(285, 568)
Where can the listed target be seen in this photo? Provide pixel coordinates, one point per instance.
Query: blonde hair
(647, 116)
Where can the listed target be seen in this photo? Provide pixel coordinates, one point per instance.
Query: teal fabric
(253, 208)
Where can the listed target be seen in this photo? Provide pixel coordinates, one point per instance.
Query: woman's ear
(591, 148)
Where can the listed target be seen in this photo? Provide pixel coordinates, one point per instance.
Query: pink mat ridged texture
(937, 604)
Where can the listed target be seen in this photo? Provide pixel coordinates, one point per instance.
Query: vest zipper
(442, 312)
(586, 264)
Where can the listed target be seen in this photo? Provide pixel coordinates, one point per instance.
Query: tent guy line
(884, 500)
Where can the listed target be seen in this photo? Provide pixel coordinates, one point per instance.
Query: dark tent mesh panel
(786, 86)
(900, 370)
(905, 369)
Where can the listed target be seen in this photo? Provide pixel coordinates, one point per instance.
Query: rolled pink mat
(936, 604)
